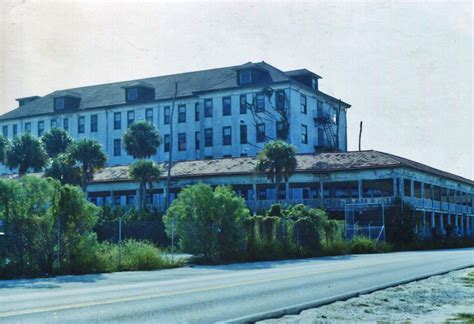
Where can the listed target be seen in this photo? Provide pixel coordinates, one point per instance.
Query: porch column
(424, 224)
(255, 196)
(395, 187)
(321, 193)
(449, 219)
(137, 195)
(462, 223)
(431, 192)
(287, 191)
(412, 188)
(112, 198)
(422, 190)
(433, 220)
(441, 224)
(359, 190)
(456, 223)
(401, 187)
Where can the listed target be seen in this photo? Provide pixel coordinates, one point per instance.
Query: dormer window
(26, 100)
(314, 83)
(245, 76)
(139, 91)
(67, 100)
(59, 103)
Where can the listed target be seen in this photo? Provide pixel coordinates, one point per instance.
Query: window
(81, 123)
(243, 104)
(320, 109)
(196, 111)
(197, 141)
(117, 120)
(59, 103)
(149, 115)
(245, 76)
(130, 117)
(167, 142)
(54, 123)
(5, 131)
(262, 194)
(40, 128)
(208, 108)
(243, 134)
(304, 108)
(166, 115)
(320, 137)
(280, 130)
(182, 141)
(260, 132)
(117, 147)
(66, 124)
(28, 127)
(132, 94)
(280, 100)
(181, 113)
(226, 106)
(94, 125)
(15, 130)
(260, 101)
(314, 84)
(304, 134)
(227, 135)
(208, 134)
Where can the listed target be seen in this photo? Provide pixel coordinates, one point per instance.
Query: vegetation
(207, 222)
(56, 141)
(62, 168)
(278, 161)
(90, 156)
(26, 152)
(145, 172)
(141, 140)
(3, 148)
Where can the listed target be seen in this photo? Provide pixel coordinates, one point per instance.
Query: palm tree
(26, 152)
(3, 148)
(278, 160)
(89, 154)
(145, 172)
(64, 169)
(56, 141)
(141, 140)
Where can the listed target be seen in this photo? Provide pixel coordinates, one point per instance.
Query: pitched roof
(316, 163)
(112, 94)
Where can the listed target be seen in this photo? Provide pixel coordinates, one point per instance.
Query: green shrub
(362, 245)
(339, 247)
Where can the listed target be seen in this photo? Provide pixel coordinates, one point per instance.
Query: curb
(296, 309)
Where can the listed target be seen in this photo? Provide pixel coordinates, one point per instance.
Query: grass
(467, 318)
(469, 280)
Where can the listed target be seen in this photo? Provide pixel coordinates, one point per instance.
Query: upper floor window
(167, 143)
(320, 109)
(243, 134)
(226, 106)
(197, 141)
(196, 111)
(40, 128)
(15, 131)
(132, 94)
(314, 83)
(280, 100)
(260, 102)
(304, 134)
(227, 135)
(117, 147)
(208, 137)
(54, 123)
(181, 113)
(304, 108)
(261, 132)
(243, 104)
(280, 129)
(130, 117)
(166, 115)
(66, 124)
(149, 115)
(5, 131)
(94, 123)
(182, 141)
(59, 103)
(28, 127)
(245, 76)
(81, 124)
(117, 120)
(208, 108)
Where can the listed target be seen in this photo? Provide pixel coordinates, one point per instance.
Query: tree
(208, 222)
(3, 148)
(145, 172)
(26, 152)
(90, 156)
(56, 141)
(64, 169)
(278, 160)
(141, 140)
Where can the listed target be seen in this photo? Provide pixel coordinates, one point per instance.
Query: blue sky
(405, 66)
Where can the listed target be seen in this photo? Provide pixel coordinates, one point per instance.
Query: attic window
(132, 94)
(245, 76)
(314, 83)
(59, 103)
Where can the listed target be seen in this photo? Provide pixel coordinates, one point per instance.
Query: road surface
(211, 294)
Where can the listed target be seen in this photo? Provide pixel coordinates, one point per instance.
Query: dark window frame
(118, 121)
(166, 115)
(208, 108)
(280, 125)
(196, 111)
(40, 129)
(260, 102)
(14, 130)
(5, 130)
(81, 124)
(94, 123)
(243, 104)
(181, 113)
(197, 140)
(261, 137)
(130, 92)
(243, 134)
(226, 138)
(148, 118)
(304, 134)
(166, 142)
(28, 127)
(245, 77)
(131, 120)
(304, 104)
(181, 141)
(117, 147)
(226, 106)
(208, 137)
(66, 124)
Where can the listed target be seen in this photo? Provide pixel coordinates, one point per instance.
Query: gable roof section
(112, 94)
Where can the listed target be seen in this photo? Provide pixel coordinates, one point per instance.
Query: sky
(404, 66)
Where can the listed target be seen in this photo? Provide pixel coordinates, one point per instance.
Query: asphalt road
(209, 294)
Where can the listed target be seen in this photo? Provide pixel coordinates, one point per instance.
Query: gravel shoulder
(433, 300)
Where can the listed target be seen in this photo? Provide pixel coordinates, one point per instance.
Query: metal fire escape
(328, 142)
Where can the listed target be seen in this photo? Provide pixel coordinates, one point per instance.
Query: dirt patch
(433, 300)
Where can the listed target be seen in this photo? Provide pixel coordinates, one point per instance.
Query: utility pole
(360, 135)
